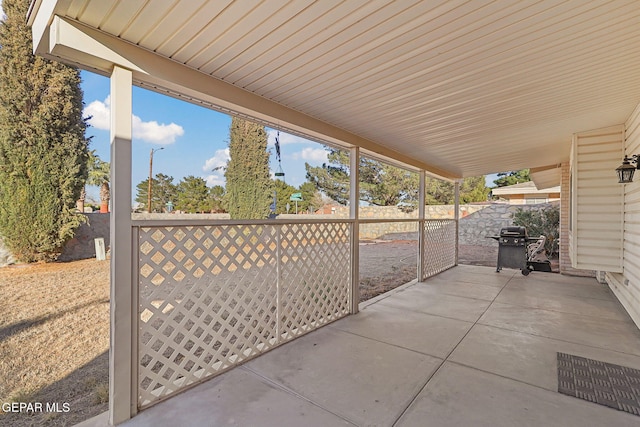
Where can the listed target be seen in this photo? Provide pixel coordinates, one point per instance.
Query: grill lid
(513, 232)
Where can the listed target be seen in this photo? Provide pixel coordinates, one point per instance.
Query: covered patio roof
(457, 88)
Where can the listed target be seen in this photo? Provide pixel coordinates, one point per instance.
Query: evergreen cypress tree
(249, 186)
(43, 149)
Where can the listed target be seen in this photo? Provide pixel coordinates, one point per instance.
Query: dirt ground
(54, 327)
(385, 265)
(54, 339)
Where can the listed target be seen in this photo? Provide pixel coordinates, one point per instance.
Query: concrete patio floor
(467, 347)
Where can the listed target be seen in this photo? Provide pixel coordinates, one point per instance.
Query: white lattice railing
(440, 242)
(440, 246)
(213, 296)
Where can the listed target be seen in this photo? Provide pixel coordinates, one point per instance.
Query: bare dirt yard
(385, 265)
(54, 341)
(54, 327)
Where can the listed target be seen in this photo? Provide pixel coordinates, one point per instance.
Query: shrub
(541, 222)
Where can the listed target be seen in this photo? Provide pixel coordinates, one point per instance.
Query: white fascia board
(503, 191)
(89, 48)
(40, 15)
(546, 177)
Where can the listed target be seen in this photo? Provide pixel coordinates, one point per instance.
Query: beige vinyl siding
(597, 200)
(571, 246)
(626, 286)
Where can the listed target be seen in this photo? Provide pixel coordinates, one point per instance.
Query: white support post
(421, 224)
(456, 201)
(354, 197)
(122, 397)
(278, 229)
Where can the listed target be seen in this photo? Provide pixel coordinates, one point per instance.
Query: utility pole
(153, 150)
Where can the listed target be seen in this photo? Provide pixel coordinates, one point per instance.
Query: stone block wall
(372, 231)
(476, 228)
(392, 212)
(394, 230)
(173, 215)
(82, 246)
(477, 223)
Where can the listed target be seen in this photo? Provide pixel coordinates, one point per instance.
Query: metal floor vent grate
(607, 384)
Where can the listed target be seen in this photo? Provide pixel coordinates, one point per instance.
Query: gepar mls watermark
(36, 407)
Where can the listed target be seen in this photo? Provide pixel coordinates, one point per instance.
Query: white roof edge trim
(499, 192)
(33, 10)
(39, 18)
(546, 176)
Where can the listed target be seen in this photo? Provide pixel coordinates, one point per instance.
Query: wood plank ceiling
(470, 87)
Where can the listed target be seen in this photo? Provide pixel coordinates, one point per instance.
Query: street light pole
(153, 150)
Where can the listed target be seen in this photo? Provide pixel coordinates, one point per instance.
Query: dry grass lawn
(54, 340)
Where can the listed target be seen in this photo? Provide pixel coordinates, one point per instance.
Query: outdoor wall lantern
(626, 169)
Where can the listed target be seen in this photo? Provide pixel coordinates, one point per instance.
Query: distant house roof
(523, 188)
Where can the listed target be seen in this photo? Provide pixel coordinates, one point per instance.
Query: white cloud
(312, 155)
(213, 165)
(100, 114)
(2, 15)
(315, 155)
(156, 133)
(213, 180)
(152, 131)
(219, 159)
(285, 138)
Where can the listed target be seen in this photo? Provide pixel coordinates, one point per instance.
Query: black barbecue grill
(512, 249)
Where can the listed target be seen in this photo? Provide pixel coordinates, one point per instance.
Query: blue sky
(194, 139)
